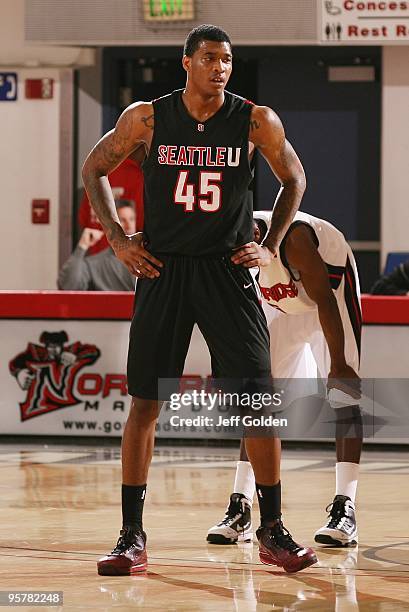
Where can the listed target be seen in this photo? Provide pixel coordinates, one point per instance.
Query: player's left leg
(276, 545)
(287, 361)
(230, 317)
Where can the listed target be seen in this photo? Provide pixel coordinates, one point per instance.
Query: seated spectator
(395, 283)
(103, 271)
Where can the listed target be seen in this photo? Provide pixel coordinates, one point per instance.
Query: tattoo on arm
(114, 146)
(107, 155)
(254, 124)
(289, 197)
(148, 121)
(102, 202)
(286, 157)
(117, 240)
(111, 150)
(110, 153)
(285, 208)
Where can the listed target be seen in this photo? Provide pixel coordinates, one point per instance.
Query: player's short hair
(201, 33)
(262, 226)
(123, 203)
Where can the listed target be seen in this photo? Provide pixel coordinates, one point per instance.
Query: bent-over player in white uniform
(313, 286)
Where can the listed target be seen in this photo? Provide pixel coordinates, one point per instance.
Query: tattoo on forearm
(105, 156)
(101, 200)
(284, 211)
(289, 198)
(120, 245)
(116, 239)
(254, 124)
(148, 121)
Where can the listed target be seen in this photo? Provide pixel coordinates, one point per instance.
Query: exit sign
(168, 10)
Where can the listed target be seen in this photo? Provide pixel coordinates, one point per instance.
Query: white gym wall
(36, 142)
(395, 150)
(29, 167)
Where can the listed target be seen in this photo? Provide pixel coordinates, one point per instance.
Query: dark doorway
(335, 128)
(132, 74)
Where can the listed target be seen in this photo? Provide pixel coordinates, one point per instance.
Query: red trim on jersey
(377, 309)
(352, 304)
(355, 300)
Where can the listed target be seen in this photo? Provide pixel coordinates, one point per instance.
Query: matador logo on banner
(48, 372)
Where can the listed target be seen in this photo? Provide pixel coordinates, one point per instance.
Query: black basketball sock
(269, 500)
(133, 498)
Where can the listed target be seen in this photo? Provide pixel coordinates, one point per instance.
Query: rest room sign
(376, 22)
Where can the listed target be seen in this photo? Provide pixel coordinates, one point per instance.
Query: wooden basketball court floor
(60, 511)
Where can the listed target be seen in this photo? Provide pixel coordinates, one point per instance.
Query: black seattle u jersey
(197, 177)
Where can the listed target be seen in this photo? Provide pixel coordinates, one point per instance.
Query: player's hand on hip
(131, 251)
(252, 255)
(345, 379)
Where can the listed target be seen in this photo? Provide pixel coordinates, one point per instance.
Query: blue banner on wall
(8, 86)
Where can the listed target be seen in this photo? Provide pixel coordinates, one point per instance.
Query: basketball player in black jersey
(197, 142)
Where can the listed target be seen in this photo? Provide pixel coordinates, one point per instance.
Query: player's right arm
(133, 129)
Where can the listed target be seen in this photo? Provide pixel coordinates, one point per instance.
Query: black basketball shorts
(214, 293)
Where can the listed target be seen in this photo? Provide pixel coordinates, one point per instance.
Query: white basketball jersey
(282, 289)
(280, 284)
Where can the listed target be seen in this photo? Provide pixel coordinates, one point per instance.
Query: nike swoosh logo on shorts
(247, 286)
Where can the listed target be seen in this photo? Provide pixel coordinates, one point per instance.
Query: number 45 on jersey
(209, 194)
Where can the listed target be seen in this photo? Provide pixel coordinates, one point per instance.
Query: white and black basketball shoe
(236, 525)
(341, 528)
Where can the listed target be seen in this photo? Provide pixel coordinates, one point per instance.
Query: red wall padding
(376, 309)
